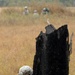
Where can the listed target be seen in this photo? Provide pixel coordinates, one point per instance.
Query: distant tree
(23, 2)
(1, 2)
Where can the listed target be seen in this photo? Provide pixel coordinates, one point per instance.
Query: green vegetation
(26, 2)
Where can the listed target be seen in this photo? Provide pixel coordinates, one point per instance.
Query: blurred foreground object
(52, 52)
(25, 70)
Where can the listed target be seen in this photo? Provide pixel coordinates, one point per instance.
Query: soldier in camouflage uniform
(45, 11)
(26, 11)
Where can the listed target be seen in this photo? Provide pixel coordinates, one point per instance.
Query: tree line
(23, 2)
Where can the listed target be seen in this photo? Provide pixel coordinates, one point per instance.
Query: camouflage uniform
(26, 11)
(45, 11)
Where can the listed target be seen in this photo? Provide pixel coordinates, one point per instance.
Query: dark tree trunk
(51, 56)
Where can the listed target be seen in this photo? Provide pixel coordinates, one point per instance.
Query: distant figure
(26, 11)
(35, 14)
(45, 11)
(25, 70)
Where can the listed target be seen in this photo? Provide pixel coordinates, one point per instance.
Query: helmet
(44, 8)
(25, 70)
(25, 7)
(35, 11)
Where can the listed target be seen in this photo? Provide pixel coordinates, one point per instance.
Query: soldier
(26, 11)
(25, 70)
(36, 14)
(45, 11)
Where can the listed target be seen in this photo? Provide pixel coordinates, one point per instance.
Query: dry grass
(72, 9)
(17, 39)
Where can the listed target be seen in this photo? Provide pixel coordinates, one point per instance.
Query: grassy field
(17, 38)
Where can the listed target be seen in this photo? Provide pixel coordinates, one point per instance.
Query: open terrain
(17, 39)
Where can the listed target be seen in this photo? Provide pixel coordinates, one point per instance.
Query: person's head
(35, 11)
(44, 9)
(25, 70)
(26, 7)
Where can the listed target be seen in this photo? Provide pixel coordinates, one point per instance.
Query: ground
(17, 43)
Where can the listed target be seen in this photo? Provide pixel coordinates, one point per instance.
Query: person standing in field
(36, 14)
(45, 11)
(26, 11)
